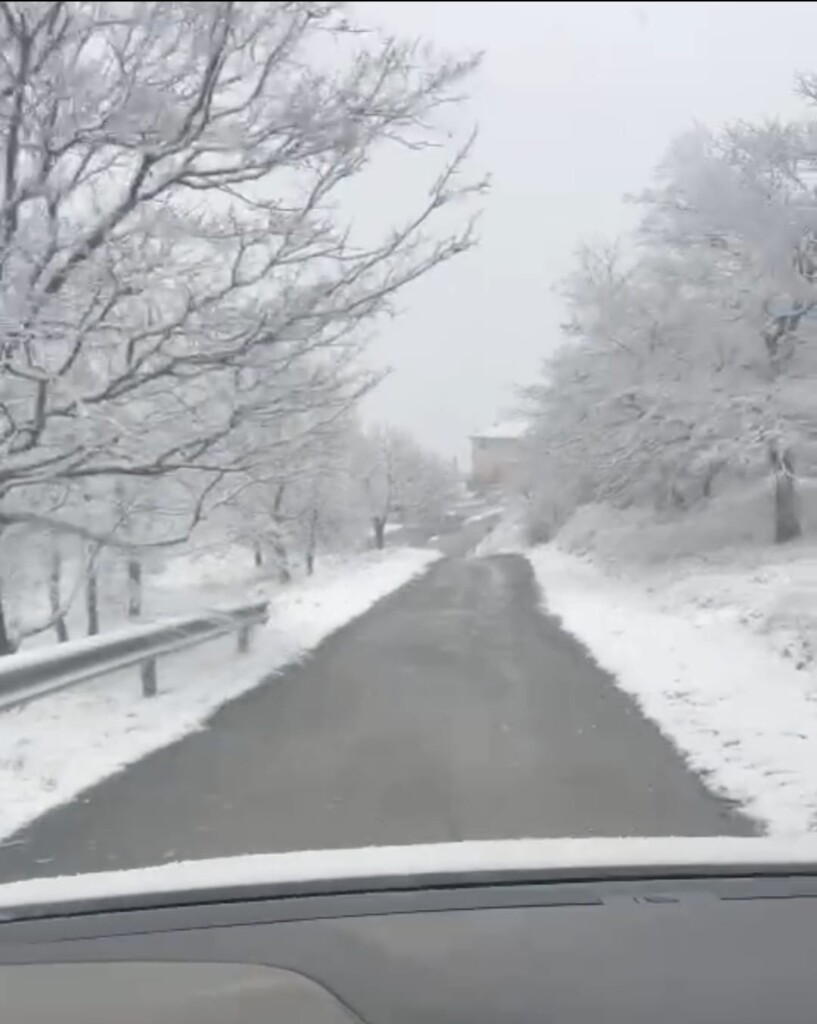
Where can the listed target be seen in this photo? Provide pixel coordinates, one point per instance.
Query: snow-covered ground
(770, 591)
(506, 536)
(58, 746)
(718, 653)
(181, 585)
(486, 513)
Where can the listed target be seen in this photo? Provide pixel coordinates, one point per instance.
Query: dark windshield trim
(252, 892)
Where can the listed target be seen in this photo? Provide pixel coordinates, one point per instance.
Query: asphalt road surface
(453, 710)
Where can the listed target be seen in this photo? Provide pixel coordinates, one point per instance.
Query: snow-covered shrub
(640, 534)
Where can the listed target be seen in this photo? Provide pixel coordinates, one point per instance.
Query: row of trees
(184, 294)
(347, 485)
(690, 357)
(333, 491)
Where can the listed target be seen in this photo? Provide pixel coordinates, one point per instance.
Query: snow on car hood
(324, 868)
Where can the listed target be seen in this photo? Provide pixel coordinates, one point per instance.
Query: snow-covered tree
(323, 502)
(695, 357)
(172, 187)
(400, 480)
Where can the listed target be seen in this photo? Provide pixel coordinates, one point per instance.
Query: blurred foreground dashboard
(726, 948)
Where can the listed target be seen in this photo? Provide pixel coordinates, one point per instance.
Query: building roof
(505, 430)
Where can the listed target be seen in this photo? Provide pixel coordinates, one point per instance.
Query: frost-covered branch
(154, 252)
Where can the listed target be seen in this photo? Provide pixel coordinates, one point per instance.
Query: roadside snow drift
(56, 747)
(743, 715)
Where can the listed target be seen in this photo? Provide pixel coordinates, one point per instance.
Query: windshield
(407, 426)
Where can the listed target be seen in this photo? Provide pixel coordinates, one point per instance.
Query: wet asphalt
(454, 709)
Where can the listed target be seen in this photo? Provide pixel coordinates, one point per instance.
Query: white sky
(576, 103)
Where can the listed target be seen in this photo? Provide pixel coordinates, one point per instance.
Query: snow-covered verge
(507, 536)
(769, 591)
(56, 747)
(739, 519)
(719, 558)
(173, 585)
(700, 646)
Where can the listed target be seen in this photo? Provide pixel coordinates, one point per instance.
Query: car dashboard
(733, 948)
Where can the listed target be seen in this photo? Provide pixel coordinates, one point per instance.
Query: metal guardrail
(34, 674)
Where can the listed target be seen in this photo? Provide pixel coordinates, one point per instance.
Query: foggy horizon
(563, 150)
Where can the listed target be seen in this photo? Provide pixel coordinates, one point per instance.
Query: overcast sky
(576, 103)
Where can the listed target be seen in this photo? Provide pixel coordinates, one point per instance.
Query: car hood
(417, 866)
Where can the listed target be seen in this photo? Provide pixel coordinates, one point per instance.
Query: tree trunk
(54, 592)
(786, 519)
(279, 544)
(786, 513)
(282, 559)
(311, 543)
(379, 524)
(134, 588)
(258, 555)
(92, 591)
(7, 644)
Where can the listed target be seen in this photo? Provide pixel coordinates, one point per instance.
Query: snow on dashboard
(415, 862)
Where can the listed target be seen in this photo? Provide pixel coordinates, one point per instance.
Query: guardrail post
(244, 639)
(147, 671)
(72, 663)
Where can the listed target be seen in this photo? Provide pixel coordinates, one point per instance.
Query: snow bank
(210, 567)
(737, 519)
(744, 716)
(58, 746)
(508, 536)
(770, 591)
(485, 513)
(179, 586)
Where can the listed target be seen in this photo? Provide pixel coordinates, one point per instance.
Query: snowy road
(452, 710)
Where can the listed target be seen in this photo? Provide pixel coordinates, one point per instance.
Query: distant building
(496, 455)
